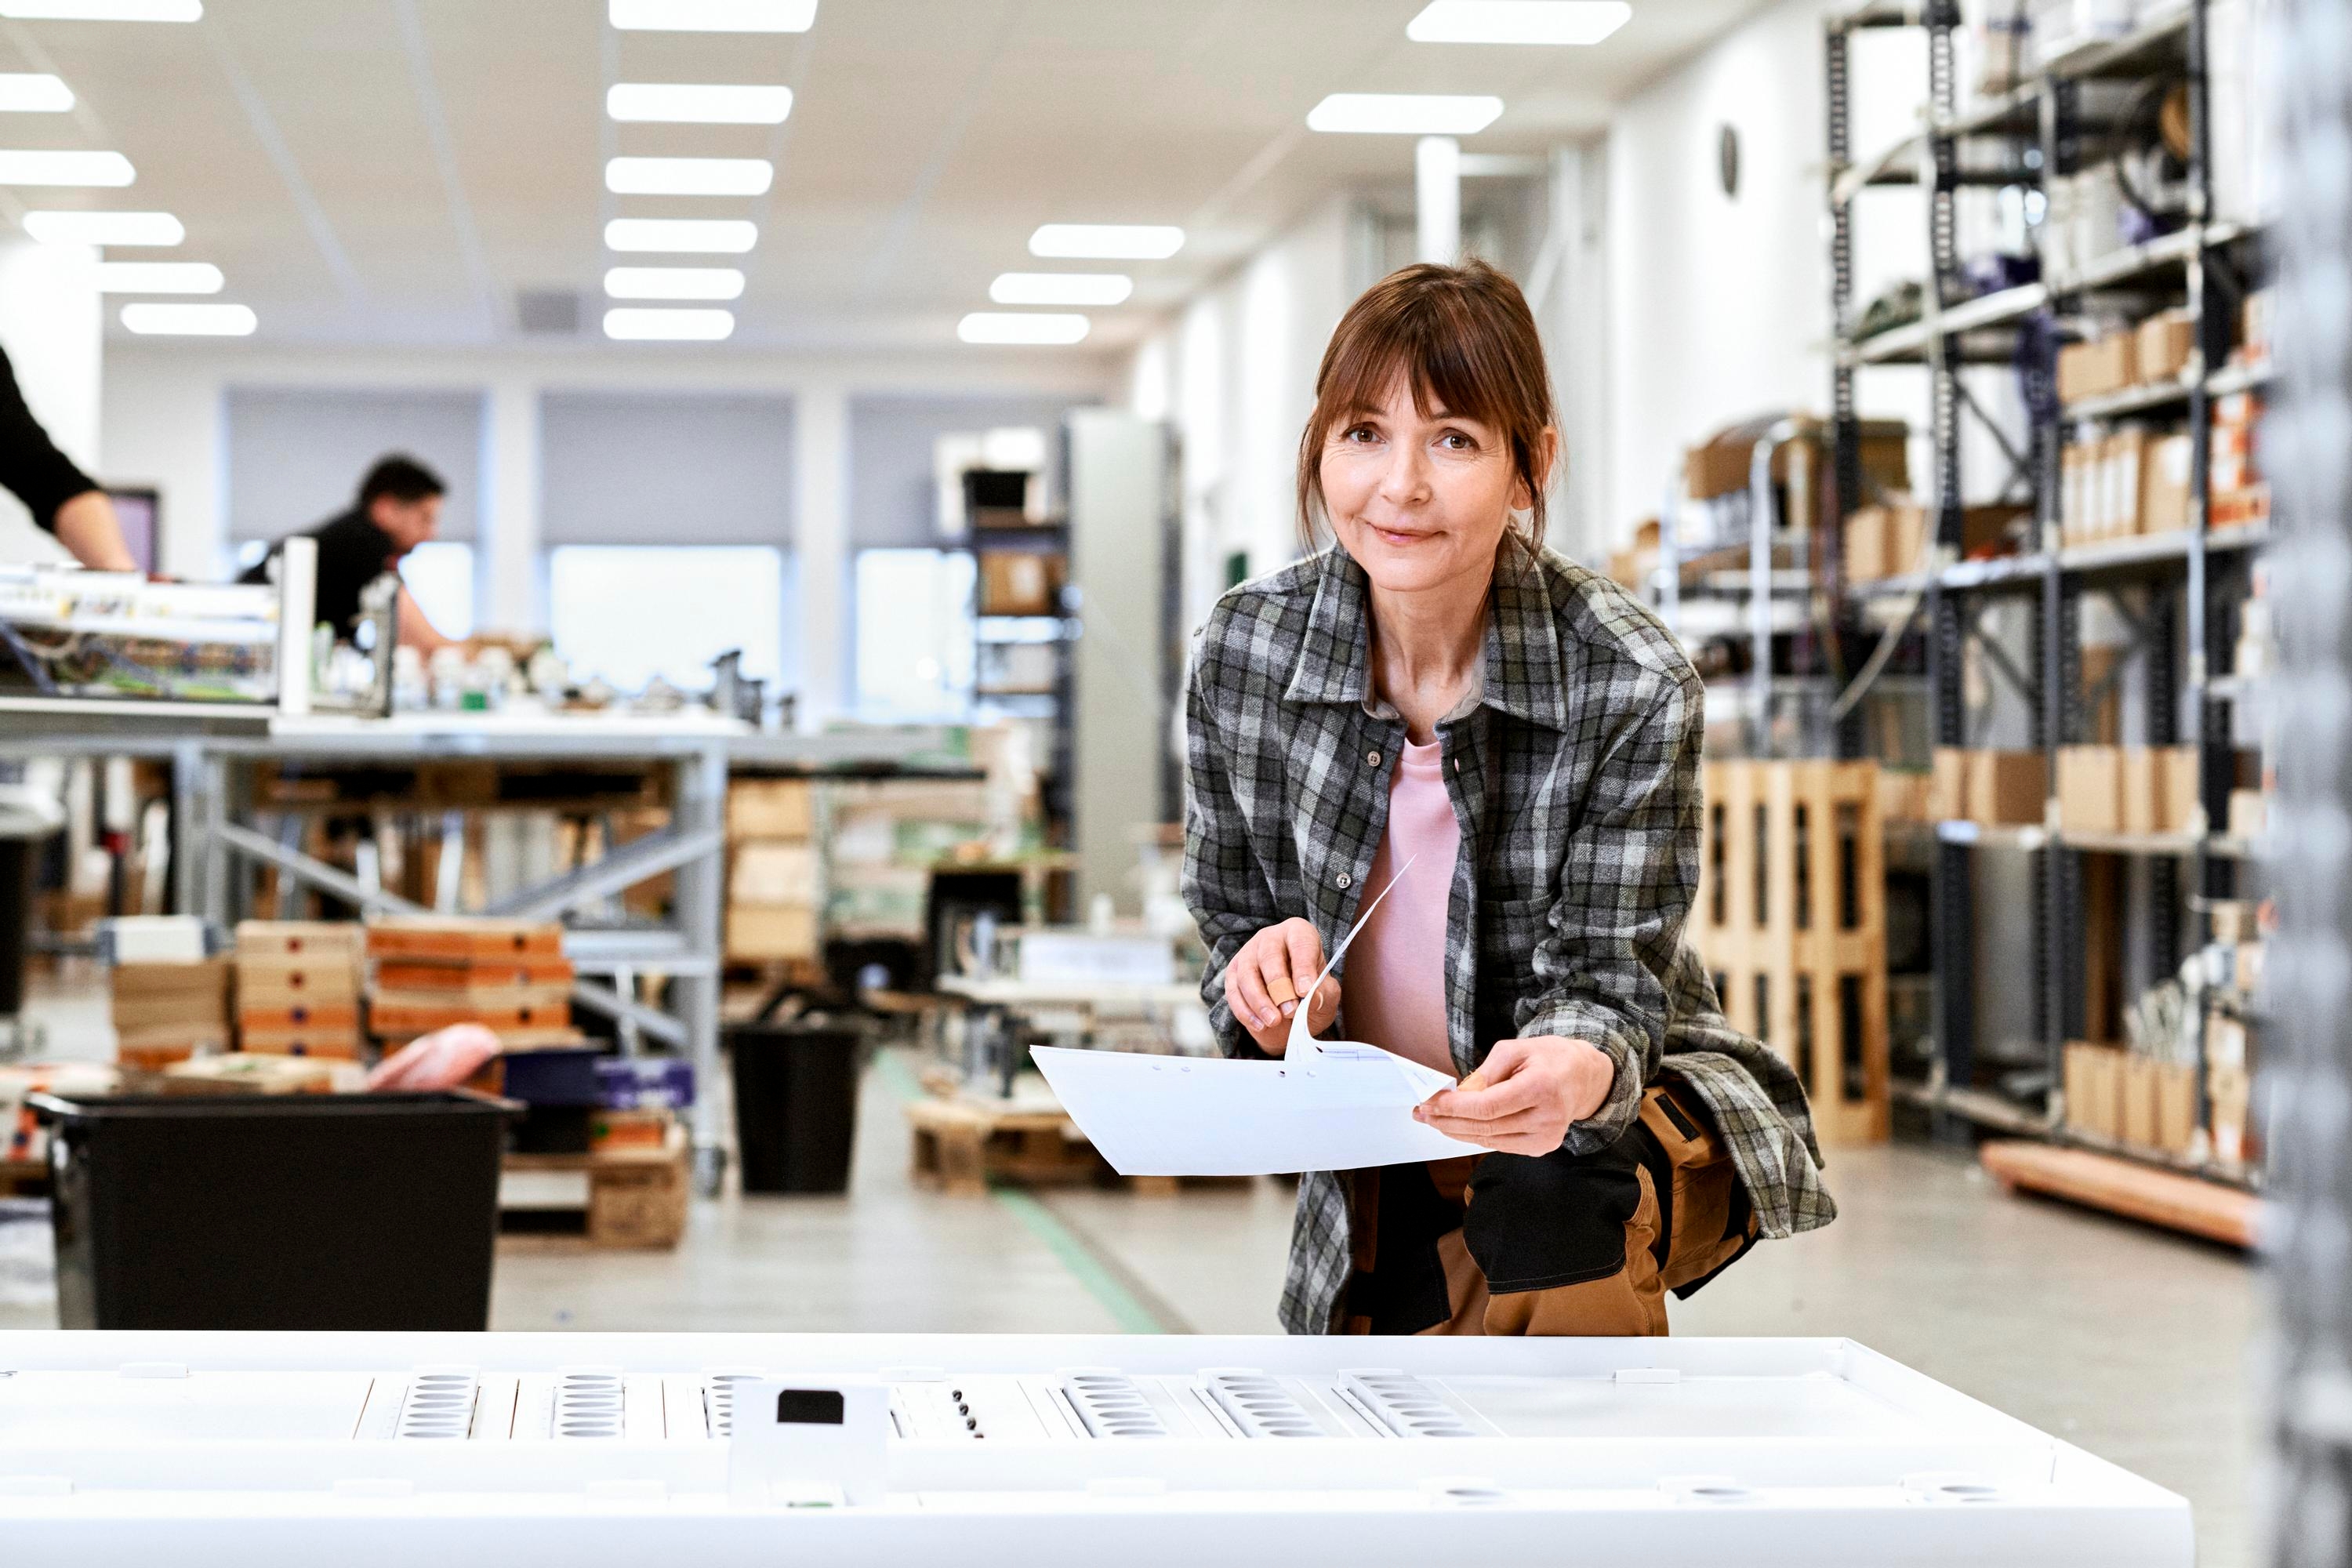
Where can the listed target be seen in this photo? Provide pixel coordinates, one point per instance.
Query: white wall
(164, 421)
(52, 328)
(1235, 375)
(1719, 305)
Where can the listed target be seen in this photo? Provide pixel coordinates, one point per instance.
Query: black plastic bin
(373, 1211)
(795, 1105)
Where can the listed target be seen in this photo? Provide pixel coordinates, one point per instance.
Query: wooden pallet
(961, 1145)
(636, 1197)
(2168, 1199)
(1790, 920)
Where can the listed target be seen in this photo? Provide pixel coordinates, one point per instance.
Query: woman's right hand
(1266, 978)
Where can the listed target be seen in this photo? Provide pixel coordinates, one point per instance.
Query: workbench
(1112, 1452)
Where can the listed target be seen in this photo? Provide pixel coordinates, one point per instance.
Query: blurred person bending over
(398, 508)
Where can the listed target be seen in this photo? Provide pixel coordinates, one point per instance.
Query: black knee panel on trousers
(1538, 1222)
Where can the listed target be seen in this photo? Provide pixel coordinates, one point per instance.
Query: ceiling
(396, 171)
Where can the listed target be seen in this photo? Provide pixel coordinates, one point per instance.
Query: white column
(53, 327)
(1437, 199)
(506, 558)
(821, 549)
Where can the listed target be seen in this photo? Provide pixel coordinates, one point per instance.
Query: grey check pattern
(1574, 774)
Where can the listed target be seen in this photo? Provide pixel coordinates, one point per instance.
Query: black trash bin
(301, 1212)
(795, 1105)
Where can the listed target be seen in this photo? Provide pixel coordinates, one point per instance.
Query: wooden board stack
(430, 971)
(298, 989)
(166, 1012)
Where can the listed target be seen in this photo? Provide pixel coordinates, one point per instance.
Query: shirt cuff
(1623, 1102)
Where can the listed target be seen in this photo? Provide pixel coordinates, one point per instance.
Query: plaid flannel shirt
(1573, 770)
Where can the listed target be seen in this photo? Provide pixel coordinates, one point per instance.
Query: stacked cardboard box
(428, 972)
(2126, 1098)
(2131, 481)
(772, 874)
(2240, 495)
(298, 989)
(2129, 789)
(166, 1012)
(1890, 541)
(1993, 788)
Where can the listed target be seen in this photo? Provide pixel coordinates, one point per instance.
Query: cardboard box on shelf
(300, 1017)
(1906, 797)
(473, 982)
(2093, 1084)
(1947, 784)
(154, 998)
(2094, 369)
(1019, 582)
(767, 932)
(770, 808)
(1721, 464)
(2180, 804)
(773, 873)
(326, 1045)
(2007, 788)
(2163, 344)
(2142, 791)
(2233, 449)
(1868, 558)
(2248, 508)
(2090, 788)
(2164, 484)
(2249, 813)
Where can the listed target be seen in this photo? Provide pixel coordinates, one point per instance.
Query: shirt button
(1344, 880)
(1372, 759)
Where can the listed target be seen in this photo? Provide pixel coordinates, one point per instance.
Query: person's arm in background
(86, 524)
(62, 498)
(416, 630)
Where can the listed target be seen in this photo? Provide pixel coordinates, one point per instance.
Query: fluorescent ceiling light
(674, 283)
(158, 278)
(689, 177)
(1107, 241)
(1404, 113)
(1517, 21)
(669, 326)
(682, 236)
(1060, 288)
(189, 320)
(102, 10)
(47, 168)
(26, 92)
(711, 15)
(680, 103)
(104, 228)
(1022, 327)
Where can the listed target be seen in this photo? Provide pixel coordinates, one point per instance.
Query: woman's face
(1419, 501)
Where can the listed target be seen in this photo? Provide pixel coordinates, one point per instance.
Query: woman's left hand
(1524, 1096)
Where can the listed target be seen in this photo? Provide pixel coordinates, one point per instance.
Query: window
(628, 612)
(915, 634)
(441, 576)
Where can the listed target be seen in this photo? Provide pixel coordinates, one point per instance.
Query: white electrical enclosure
(710, 1449)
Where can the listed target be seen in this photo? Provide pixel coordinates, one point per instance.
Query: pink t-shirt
(1394, 989)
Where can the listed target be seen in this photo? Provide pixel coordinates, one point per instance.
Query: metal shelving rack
(2039, 119)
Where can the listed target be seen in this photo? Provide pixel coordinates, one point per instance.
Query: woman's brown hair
(1465, 340)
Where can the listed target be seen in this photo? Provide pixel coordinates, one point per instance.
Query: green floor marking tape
(1127, 1306)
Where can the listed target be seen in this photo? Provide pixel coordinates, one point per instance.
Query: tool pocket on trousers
(1538, 1223)
(1706, 1219)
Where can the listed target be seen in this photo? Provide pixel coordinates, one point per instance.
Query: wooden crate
(961, 1145)
(636, 1197)
(1791, 921)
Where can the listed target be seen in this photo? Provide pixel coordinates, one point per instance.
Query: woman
(1439, 691)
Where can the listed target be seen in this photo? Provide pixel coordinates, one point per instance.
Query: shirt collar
(1519, 669)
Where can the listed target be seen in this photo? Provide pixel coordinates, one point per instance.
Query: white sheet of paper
(1328, 1105)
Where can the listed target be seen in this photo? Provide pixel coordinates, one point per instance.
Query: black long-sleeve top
(43, 478)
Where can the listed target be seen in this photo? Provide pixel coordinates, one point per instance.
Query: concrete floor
(2134, 1344)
